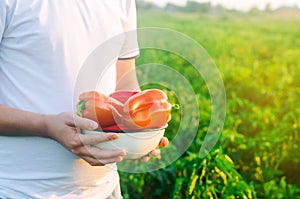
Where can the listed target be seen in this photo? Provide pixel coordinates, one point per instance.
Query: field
(258, 154)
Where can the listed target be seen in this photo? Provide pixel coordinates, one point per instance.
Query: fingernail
(113, 136)
(73, 151)
(123, 153)
(145, 159)
(93, 125)
(155, 153)
(120, 158)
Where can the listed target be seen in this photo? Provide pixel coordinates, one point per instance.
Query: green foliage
(193, 6)
(212, 177)
(258, 154)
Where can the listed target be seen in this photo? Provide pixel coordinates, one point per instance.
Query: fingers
(84, 123)
(90, 151)
(163, 142)
(145, 158)
(99, 157)
(96, 162)
(65, 130)
(100, 137)
(156, 152)
(93, 155)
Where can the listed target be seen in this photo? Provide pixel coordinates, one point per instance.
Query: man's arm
(65, 129)
(23, 123)
(15, 122)
(127, 81)
(126, 76)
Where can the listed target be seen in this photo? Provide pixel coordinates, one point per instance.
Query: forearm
(126, 76)
(21, 123)
(61, 127)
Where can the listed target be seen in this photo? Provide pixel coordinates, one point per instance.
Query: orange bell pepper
(147, 109)
(100, 108)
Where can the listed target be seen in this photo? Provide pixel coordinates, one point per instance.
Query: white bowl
(137, 143)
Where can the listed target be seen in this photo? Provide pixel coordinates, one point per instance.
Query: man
(43, 45)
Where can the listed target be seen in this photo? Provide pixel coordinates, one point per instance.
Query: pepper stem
(81, 107)
(176, 106)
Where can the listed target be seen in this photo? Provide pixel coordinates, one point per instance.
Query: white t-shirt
(43, 44)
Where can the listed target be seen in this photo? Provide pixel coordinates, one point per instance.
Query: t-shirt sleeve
(130, 48)
(2, 18)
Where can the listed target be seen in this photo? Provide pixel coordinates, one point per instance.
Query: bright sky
(237, 4)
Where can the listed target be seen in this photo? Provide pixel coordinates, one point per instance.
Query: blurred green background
(258, 55)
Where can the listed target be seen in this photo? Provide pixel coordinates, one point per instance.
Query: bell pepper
(122, 96)
(98, 107)
(141, 110)
(147, 109)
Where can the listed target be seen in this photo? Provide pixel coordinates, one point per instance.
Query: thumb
(84, 123)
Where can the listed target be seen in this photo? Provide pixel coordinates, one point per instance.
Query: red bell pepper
(122, 96)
